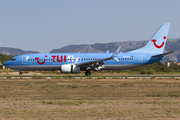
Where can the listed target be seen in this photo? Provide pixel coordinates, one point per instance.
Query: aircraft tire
(87, 73)
(20, 73)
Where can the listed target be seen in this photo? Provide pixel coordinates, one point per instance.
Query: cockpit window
(13, 59)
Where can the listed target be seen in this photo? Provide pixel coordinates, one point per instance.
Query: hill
(14, 51)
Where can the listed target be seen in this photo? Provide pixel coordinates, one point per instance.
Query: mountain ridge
(15, 51)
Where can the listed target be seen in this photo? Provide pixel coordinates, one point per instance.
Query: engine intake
(70, 69)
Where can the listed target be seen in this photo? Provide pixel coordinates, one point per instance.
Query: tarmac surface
(94, 77)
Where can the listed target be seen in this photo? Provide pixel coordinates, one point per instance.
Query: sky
(43, 25)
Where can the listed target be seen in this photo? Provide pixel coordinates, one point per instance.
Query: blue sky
(43, 25)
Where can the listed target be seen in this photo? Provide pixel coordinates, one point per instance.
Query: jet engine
(70, 68)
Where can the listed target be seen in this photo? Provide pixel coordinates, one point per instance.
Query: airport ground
(87, 99)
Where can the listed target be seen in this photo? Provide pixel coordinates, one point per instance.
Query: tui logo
(158, 46)
(54, 57)
(37, 58)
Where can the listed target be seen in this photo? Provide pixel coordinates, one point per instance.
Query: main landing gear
(87, 73)
(20, 73)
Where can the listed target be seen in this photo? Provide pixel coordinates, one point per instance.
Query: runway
(93, 77)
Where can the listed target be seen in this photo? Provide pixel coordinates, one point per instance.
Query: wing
(98, 63)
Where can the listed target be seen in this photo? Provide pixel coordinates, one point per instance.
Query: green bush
(143, 72)
(4, 58)
(74, 86)
(150, 71)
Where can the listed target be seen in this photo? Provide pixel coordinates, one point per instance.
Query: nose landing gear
(20, 73)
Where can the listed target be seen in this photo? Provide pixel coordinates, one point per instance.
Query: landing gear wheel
(20, 73)
(87, 73)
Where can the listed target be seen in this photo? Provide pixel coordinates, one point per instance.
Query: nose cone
(6, 63)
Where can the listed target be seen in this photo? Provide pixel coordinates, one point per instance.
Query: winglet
(115, 54)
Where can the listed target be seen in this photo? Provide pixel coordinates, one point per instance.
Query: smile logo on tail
(158, 46)
(37, 58)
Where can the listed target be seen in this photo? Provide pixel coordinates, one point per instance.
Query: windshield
(13, 59)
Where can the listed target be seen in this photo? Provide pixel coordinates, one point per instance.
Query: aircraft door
(24, 59)
(140, 58)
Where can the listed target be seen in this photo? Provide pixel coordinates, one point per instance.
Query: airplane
(76, 62)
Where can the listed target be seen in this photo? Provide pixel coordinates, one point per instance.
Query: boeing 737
(76, 62)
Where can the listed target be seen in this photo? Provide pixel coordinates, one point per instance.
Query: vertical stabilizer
(157, 43)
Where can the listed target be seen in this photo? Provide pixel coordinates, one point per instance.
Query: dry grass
(89, 99)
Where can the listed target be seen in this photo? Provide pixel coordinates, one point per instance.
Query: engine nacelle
(70, 68)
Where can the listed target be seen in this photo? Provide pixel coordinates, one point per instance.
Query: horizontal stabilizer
(163, 54)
